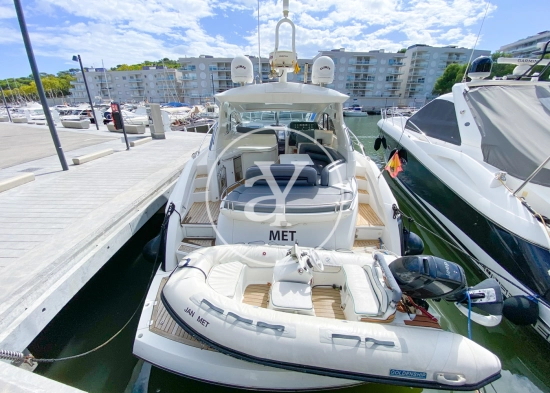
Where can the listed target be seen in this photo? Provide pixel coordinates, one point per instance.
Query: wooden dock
(56, 232)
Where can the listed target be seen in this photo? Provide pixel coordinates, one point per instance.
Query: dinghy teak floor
(326, 301)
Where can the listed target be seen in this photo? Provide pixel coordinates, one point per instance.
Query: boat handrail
(531, 176)
(210, 128)
(225, 190)
(419, 132)
(338, 206)
(356, 141)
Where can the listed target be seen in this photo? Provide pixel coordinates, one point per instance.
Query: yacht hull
(483, 238)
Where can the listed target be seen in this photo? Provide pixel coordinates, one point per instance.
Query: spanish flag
(394, 165)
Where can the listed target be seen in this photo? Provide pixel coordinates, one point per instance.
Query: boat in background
(355, 110)
(476, 160)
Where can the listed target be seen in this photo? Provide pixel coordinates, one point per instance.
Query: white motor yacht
(476, 160)
(259, 187)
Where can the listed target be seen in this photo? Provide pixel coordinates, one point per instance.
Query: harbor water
(104, 305)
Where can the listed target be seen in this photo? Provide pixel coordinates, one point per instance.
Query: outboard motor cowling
(428, 277)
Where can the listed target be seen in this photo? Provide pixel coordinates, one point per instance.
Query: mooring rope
(536, 298)
(30, 359)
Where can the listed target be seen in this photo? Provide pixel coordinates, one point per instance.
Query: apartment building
(205, 76)
(151, 83)
(526, 46)
(371, 79)
(424, 64)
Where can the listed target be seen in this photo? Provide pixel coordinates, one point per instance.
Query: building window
(116, 77)
(123, 78)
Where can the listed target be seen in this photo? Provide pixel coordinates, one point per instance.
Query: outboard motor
(429, 277)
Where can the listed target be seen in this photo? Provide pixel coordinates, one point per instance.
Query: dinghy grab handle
(379, 342)
(279, 328)
(396, 291)
(217, 309)
(239, 318)
(346, 336)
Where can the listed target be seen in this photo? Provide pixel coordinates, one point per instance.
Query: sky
(113, 32)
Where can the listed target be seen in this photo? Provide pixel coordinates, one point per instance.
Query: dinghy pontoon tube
(205, 293)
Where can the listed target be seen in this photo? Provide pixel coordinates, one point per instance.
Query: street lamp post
(38, 82)
(77, 58)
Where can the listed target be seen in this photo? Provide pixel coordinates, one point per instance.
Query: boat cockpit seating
(319, 199)
(244, 129)
(282, 173)
(322, 163)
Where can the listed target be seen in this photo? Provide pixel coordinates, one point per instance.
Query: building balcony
(189, 78)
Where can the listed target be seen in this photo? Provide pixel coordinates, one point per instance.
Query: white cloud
(128, 31)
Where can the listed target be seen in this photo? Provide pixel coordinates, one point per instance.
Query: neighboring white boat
(477, 159)
(355, 111)
(279, 182)
(211, 111)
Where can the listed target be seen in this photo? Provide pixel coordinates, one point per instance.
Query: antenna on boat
(107, 83)
(475, 44)
(283, 61)
(259, 52)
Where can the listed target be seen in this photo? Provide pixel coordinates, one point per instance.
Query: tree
(402, 50)
(500, 70)
(452, 74)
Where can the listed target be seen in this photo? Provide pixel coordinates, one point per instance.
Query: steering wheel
(316, 260)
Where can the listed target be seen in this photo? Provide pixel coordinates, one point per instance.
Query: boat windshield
(269, 117)
(514, 122)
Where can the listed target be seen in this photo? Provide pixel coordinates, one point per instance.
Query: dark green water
(103, 306)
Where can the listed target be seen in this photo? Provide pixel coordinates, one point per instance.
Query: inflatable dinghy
(331, 313)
